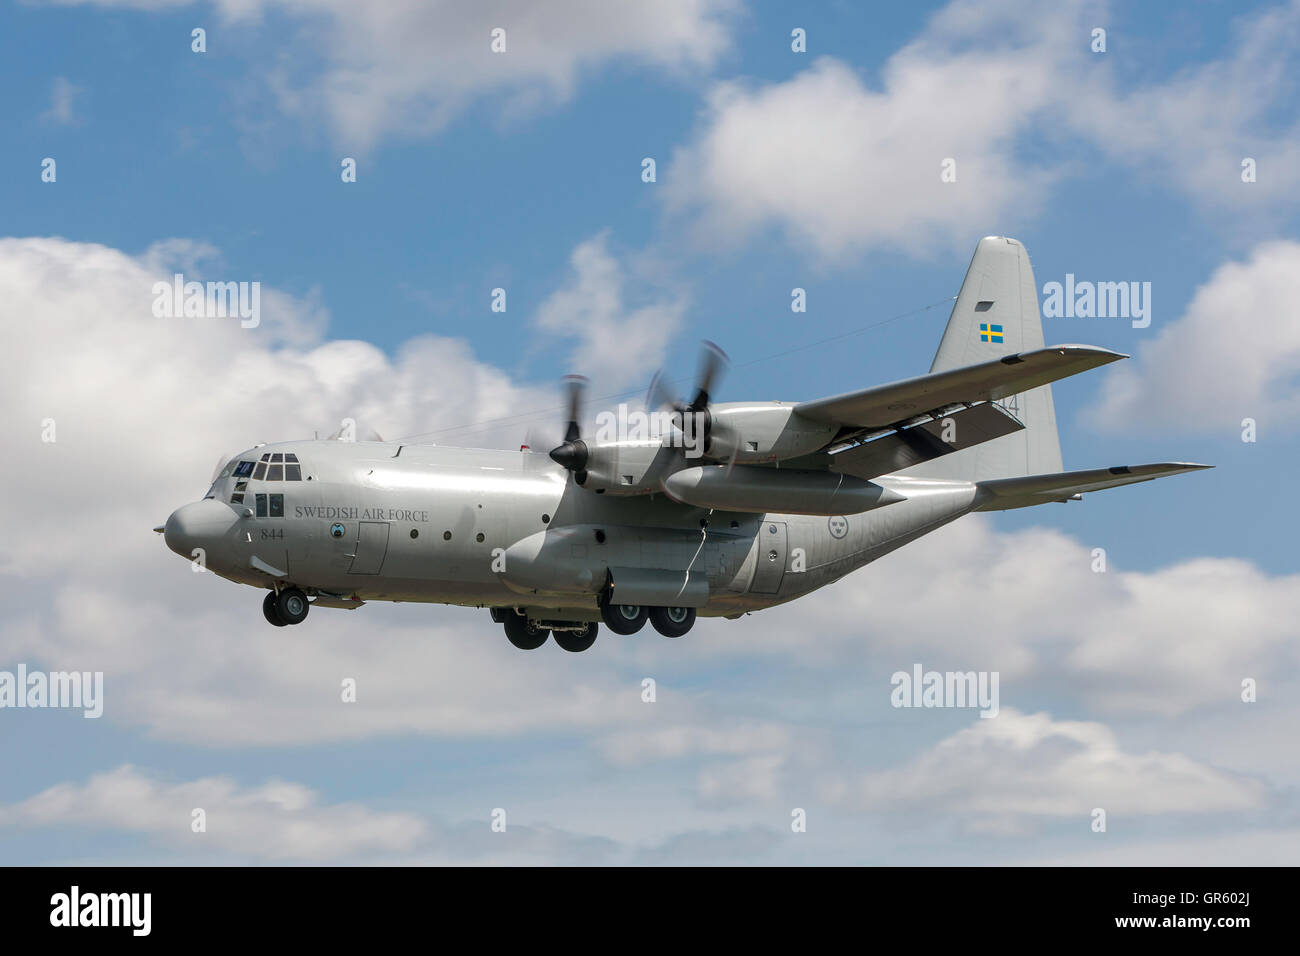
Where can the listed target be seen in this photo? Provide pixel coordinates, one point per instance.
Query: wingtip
(1110, 354)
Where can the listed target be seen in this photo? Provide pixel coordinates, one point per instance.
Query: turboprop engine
(682, 435)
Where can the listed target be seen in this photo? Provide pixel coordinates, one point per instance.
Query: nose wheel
(269, 611)
(290, 606)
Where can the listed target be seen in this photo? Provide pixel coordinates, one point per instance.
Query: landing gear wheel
(672, 621)
(523, 634)
(575, 642)
(292, 606)
(269, 610)
(623, 618)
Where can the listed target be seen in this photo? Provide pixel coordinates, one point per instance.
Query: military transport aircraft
(729, 509)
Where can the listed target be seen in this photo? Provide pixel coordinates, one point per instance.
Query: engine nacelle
(628, 467)
(762, 432)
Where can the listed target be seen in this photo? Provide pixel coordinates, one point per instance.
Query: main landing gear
(289, 606)
(528, 634)
(630, 618)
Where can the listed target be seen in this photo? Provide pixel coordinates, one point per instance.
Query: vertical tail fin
(996, 314)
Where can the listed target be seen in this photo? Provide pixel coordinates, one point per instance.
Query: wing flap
(1001, 494)
(932, 439)
(886, 405)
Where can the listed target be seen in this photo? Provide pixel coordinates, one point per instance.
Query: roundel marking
(838, 525)
(336, 530)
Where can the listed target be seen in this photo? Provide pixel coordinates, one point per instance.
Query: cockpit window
(244, 469)
(292, 472)
(290, 456)
(260, 473)
(275, 473)
(266, 457)
(277, 457)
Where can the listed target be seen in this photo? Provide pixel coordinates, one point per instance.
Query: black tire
(523, 634)
(672, 621)
(292, 606)
(575, 642)
(269, 610)
(623, 618)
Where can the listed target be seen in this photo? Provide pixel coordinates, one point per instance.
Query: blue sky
(775, 170)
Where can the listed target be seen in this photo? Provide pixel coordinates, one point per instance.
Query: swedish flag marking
(990, 333)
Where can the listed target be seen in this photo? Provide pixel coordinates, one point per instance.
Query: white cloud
(277, 821)
(408, 67)
(1164, 642)
(619, 343)
(1232, 355)
(840, 165)
(999, 773)
(63, 106)
(685, 740)
(1252, 847)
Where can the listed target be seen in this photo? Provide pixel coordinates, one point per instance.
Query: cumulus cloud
(276, 821)
(618, 342)
(1011, 93)
(1000, 772)
(408, 67)
(284, 822)
(1233, 354)
(1165, 641)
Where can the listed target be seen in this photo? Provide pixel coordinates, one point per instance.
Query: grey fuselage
(478, 527)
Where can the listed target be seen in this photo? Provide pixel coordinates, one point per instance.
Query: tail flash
(996, 314)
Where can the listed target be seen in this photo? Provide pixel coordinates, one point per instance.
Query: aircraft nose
(199, 524)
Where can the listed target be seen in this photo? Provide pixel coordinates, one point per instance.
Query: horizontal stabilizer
(1001, 494)
(886, 405)
(931, 439)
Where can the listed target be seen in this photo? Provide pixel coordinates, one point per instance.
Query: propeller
(572, 453)
(713, 363)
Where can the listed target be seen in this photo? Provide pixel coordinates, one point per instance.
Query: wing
(886, 406)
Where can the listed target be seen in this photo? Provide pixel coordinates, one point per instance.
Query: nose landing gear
(289, 606)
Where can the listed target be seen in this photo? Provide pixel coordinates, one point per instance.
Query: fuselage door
(372, 547)
(769, 566)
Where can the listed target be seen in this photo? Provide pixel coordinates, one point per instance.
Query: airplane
(730, 508)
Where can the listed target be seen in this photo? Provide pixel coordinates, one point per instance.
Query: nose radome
(199, 524)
